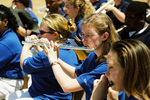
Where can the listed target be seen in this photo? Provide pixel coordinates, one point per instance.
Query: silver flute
(60, 46)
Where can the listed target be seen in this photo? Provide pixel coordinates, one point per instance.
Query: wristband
(54, 63)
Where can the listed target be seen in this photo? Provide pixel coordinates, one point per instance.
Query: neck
(142, 26)
(98, 52)
(117, 2)
(21, 6)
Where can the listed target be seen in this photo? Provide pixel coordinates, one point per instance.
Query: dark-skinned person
(11, 75)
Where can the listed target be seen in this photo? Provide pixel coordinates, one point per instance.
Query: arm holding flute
(82, 77)
(113, 7)
(57, 29)
(116, 11)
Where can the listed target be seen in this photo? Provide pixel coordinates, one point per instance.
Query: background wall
(36, 5)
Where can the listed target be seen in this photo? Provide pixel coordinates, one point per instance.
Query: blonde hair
(134, 57)
(57, 23)
(102, 23)
(86, 7)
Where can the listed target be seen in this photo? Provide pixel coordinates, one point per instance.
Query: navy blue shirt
(132, 98)
(88, 72)
(122, 7)
(144, 36)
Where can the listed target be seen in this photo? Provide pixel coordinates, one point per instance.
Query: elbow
(67, 88)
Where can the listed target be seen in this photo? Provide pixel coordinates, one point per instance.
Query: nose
(107, 73)
(84, 39)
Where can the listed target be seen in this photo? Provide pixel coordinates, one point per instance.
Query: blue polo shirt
(10, 51)
(44, 84)
(88, 72)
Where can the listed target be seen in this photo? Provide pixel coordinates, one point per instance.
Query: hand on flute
(108, 7)
(51, 51)
(100, 88)
(112, 94)
(35, 39)
(30, 38)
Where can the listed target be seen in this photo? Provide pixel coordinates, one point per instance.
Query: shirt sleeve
(86, 79)
(5, 55)
(39, 63)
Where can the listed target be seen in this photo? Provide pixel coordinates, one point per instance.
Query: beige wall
(36, 5)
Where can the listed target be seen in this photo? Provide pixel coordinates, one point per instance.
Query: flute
(101, 8)
(60, 46)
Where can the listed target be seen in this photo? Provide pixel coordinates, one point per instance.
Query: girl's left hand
(52, 51)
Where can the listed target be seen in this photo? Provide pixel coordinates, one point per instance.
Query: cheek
(92, 44)
(117, 78)
(96, 44)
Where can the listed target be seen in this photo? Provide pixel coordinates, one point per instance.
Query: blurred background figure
(22, 30)
(11, 75)
(24, 5)
(30, 4)
(97, 3)
(77, 10)
(54, 6)
(116, 12)
(135, 20)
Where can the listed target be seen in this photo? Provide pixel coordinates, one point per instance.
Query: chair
(80, 95)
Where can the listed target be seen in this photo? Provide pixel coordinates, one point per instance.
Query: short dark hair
(6, 13)
(25, 2)
(138, 8)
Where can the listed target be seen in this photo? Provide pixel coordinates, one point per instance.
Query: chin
(114, 88)
(88, 51)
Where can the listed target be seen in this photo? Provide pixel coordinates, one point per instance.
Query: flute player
(99, 33)
(44, 84)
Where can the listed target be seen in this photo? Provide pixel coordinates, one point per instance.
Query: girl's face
(91, 38)
(115, 72)
(45, 32)
(70, 10)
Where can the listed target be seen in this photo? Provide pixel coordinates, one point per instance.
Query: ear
(5, 21)
(143, 19)
(105, 36)
(78, 8)
(56, 35)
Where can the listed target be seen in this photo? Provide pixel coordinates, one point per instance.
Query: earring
(5, 25)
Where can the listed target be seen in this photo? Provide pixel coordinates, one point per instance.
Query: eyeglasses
(88, 36)
(42, 32)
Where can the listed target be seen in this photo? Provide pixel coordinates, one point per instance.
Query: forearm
(119, 15)
(24, 55)
(23, 32)
(67, 83)
(100, 88)
(97, 94)
(68, 69)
